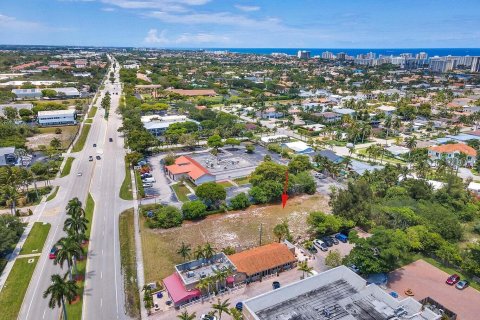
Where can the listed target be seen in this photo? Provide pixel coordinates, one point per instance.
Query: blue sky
(243, 23)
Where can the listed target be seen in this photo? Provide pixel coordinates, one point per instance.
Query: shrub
(166, 217)
(240, 201)
(476, 228)
(58, 131)
(194, 210)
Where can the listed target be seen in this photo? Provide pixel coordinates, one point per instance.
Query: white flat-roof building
(157, 125)
(57, 117)
(387, 110)
(339, 294)
(299, 147)
(27, 93)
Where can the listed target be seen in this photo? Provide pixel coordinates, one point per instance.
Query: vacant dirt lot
(237, 229)
(426, 280)
(48, 133)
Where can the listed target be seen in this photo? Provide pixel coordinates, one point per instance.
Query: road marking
(44, 311)
(102, 252)
(101, 302)
(101, 275)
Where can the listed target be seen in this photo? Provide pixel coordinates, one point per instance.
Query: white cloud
(108, 9)
(247, 8)
(7, 22)
(219, 18)
(155, 38)
(164, 5)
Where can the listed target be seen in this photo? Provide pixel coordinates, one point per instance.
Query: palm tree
(184, 251)
(198, 253)
(74, 206)
(186, 316)
(411, 143)
(461, 160)
(221, 306)
(208, 251)
(203, 285)
(236, 314)
(76, 224)
(304, 267)
(347, 162)
(60, 290)
(68, 251)
(422, 167)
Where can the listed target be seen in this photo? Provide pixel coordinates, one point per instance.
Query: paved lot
(426, 280)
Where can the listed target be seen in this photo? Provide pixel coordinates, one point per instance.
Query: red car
(453, 279)
(53, 253)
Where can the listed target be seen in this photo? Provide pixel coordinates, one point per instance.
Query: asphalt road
(103, 297)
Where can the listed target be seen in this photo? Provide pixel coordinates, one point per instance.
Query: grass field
(82, 139)
(67, 167)
(74, 311)
(12, 294)
(127, 253)
(92, 112)
(225, 184)
(139, 183)
(46, 134)
(181, 191)
(53, 194)
(241, 181)
(36, 238)
(88, 121)
(126, 188)
(238, 228)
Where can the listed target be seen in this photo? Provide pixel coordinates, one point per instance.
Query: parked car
(453, 279)
(239, 306)
(320, 245)
(90, 158)
(327, 241)
(98, 157)
(147, 185)
(341, 237)
(334, 240)
(110, 139)
(462, 284)
(146, 175)
(312, 249)
(207, 317)
(354, 268)
(275, 285)
(53, 252)
(320, 176)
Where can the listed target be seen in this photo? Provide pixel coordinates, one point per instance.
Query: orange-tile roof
(456, 147)
(187, 165)
(262, 258)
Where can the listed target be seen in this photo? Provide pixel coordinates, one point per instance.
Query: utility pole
(261, 230)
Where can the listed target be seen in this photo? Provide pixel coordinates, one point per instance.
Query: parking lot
(425, 280)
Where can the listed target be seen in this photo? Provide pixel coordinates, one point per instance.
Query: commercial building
(57, 117)
(27, 93)
(336, 294)
(253, 264)
(186, 167)
(299, 147)
(451, 153)
(157, 125)
(328, 55)
(68, 92)
(18, 106)
(8, 156)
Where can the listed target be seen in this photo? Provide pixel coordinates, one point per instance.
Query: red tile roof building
(451, 153)
(189, 168)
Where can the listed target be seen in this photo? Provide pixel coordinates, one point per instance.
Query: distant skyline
(242, 23)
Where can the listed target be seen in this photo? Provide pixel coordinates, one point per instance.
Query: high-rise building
(371, 55)
(341, 56)
(421, 55)
(441, 65)
(406, 55)
(475, 64)
(302, 54)
(327, 55)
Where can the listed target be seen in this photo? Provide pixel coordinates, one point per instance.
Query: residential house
(451, 151)
(387, 110)
(270, 113)
(329, 117)
(8, 156)
(186, 167)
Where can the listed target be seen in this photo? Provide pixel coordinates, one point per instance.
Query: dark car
(341, 237)
(94, 145)
(98, 157)
(275, 285)
(239, 306)
(327, 241)
(462, 284)
(110, 139)
(53, 253)
(453, 279)
(334, 240)
(312, 249)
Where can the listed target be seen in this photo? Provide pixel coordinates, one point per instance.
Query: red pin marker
(284, 194)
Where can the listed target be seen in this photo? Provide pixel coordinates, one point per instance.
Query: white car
(320, 245)
(147, 185)
(79, 174)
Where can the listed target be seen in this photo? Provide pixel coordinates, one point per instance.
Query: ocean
(353, 52)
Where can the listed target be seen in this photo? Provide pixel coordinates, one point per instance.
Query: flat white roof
(56, 113)
(298, 146)
(387, 108)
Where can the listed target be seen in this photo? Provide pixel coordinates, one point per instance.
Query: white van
(151, 180)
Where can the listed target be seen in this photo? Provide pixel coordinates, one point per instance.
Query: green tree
(69, 250)
(215, 142)
(167, 217)
(281, 230)
(333, 258)
(76, 223)
(74, 207)
(55, 143)
(299, 164)
(10, 113)
(184, 251)
(60, 290)
(305, 268)
(232, 142)
(240, 201)
(353, 203)
(250, 148)
(211, 193)
(133, 158)
(187, 316)
(221, 307)
(49, 93)
(193, 210)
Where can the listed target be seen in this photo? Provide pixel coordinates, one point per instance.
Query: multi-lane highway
(103, 296)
